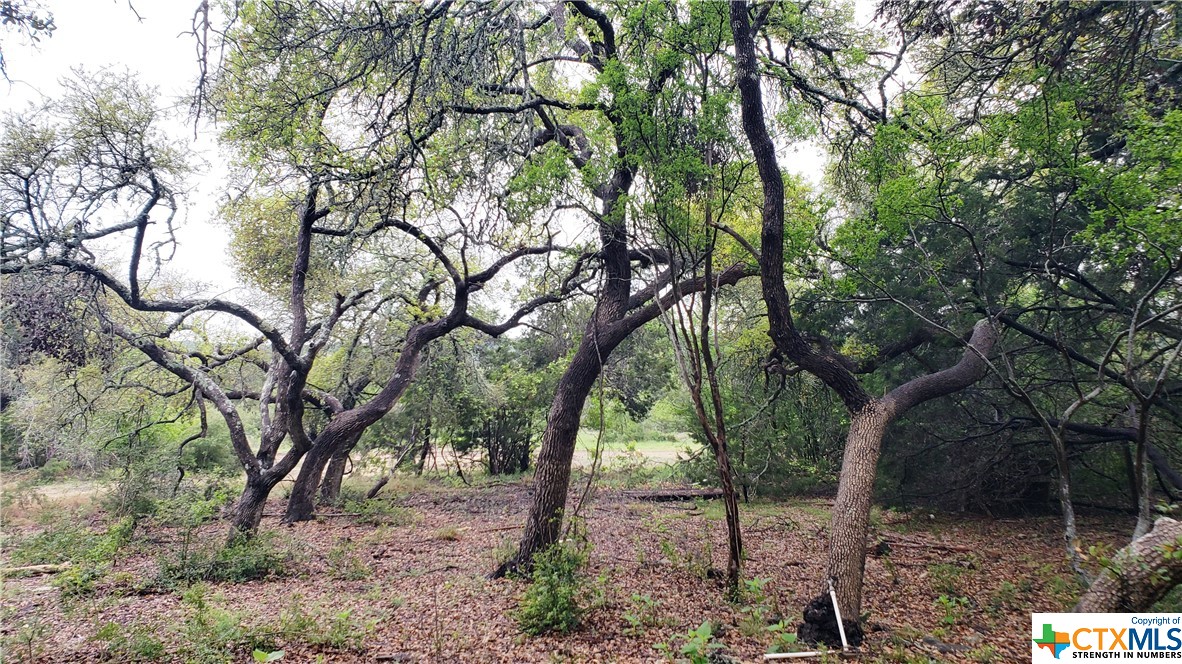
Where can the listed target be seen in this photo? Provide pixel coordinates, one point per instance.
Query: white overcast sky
(97, 34)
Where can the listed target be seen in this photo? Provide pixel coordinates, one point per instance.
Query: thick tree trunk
(849, 528)
(301, 505)
(347, 426)
(552, 477)
(1140, 574)
(248, 511)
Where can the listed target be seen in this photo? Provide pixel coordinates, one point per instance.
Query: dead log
(35, 570)
(672, 495)
(900, 540)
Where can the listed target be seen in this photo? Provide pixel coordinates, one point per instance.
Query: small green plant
(1005, 598)
(265, 656)
(215, 635)
(448, 534)
(945, 578)
(552, 601)
(753, 615)
(688, 554)
(645, 614)
(952, 609)
(320, 627)
(77, 581)
(986, 654)
(503, 551)
(697, 645)
(26, 639)
(783, 637)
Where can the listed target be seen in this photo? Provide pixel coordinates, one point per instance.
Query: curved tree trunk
(1140, 574)
(552, 477)
(346, 427)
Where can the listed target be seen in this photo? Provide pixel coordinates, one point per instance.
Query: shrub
(552, 601)
(241, 560)
(215, 635)
(67, 541)
(320, 627)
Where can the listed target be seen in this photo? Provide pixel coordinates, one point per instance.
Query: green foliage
(130, 643)
(945, 578)
(244, 559)
(195, 505)
(755, 607)
(1170, 603)
(696, 645)
(783, 637)
(214, 635)
(67, 540)
(320, 627)
(985, 654)
(25, 638)
(62, 539)
(952, 609)
(644, 614)
(553, 602)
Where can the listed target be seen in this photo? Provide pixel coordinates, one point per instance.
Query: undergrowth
(555, 598)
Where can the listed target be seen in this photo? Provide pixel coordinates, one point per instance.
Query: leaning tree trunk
(334, 474)
(345, 427)
(848, 530)
(552, 475)
(1140, 574)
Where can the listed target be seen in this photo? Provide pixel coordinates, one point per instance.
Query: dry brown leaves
(424, 583)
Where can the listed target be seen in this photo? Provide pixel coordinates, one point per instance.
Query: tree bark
(1139, 574)
(301, 505)
(345, 427)
(248, 511)
(334, 474)
(851, 511)
(734, 532)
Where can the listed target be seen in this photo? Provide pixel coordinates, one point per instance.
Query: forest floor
(404, 580)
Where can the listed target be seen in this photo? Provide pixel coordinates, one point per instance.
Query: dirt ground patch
(419, 584)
